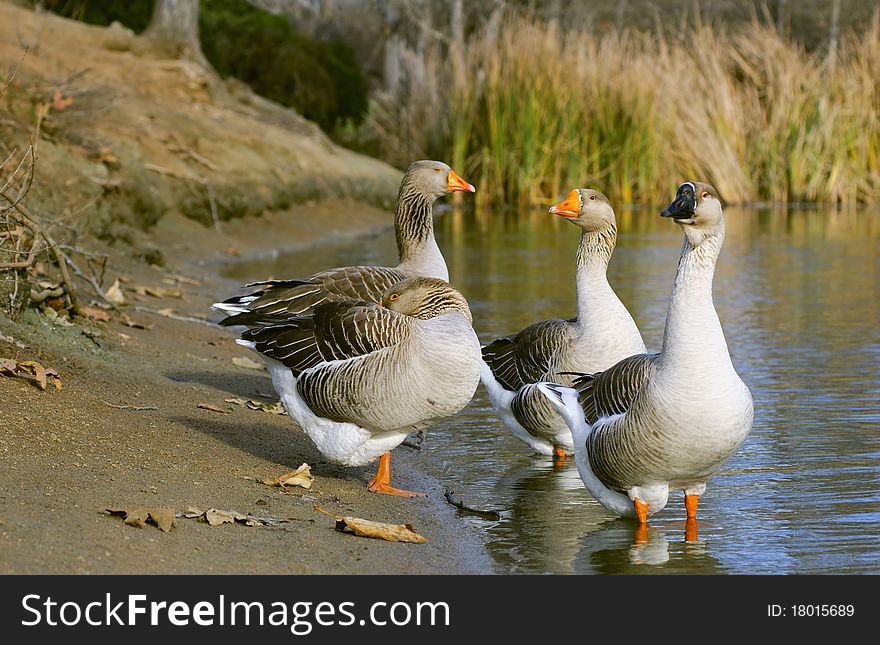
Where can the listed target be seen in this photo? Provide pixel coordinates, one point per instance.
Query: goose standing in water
(665, 421)
(602, 334)
(359, 377)
(422, 184)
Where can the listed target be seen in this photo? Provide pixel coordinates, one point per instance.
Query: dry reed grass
(540, 109)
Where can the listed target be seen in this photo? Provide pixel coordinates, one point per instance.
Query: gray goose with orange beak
(358, 376)
(422, 184)
(668, 421)
(602, 334)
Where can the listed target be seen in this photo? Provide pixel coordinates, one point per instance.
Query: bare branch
(14, 72)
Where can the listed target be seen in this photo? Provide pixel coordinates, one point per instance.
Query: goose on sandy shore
(358, 377)
(671, 420)
(602, 334)
(422, 184)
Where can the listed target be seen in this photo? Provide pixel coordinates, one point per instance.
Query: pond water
(798, 294)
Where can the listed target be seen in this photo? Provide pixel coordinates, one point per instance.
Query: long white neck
(601, 314)
(414, 230)
(693, 336)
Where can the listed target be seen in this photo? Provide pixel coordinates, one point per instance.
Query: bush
(321, 80)
(134, 14)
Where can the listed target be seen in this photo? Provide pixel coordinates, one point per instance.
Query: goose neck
(593, 255)
(693, 332)
(414, 230)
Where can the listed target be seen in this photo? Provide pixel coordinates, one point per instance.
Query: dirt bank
(125, 430)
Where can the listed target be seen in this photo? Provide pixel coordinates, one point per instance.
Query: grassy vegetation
(541, 109)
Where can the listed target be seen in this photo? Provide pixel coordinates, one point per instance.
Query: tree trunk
(174, 29)
(780, 18)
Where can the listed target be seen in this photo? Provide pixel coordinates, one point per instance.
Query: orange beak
(454, 183)
(571, 207)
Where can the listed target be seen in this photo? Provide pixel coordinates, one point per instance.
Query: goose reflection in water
(621, 548)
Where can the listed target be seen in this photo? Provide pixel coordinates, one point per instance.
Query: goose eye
(393, 297)
(436, 170)
(705, 194)
(592, 198)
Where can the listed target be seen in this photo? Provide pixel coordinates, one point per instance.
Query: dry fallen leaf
(95, 313)
(157, 292)
(216, 517)
(128, 322)
(212, 408)
(114, 294)
(140, 516)
(242, 361)
(271, 408)
(40, 373)
(302, 476)
(378, 530)
(176, 278)
(12, 341)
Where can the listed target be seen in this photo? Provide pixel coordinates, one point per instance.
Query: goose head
(697, 208)
(424, 298)
(587, 208)
(434, 179)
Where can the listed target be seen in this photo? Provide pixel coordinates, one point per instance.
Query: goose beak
(684, 206)
(570, 208)
(455, 183)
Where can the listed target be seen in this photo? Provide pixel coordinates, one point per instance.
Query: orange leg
(690, 503)
(690, 530)
(641, 510)
(381, 483)
(560, 459)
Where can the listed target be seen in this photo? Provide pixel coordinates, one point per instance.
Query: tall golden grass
(540, 109)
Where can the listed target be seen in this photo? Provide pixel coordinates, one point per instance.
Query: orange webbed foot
(381, 483)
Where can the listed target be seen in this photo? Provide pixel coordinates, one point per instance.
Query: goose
(422, 184)
(602, 334)
(655, 422)
(358, 377)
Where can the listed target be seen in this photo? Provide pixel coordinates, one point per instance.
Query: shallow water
(797, 293)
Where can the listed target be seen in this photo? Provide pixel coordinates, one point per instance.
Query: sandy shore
(69, 454)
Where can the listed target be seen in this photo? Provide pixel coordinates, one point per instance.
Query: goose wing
(529, 355)
(338, 331)
(277, 300)
(612, 392)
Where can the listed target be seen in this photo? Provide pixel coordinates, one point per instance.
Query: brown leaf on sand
(114, 294)
(216, 517)
(242, 361)
(176, 278)
(39, 372)
(95, 314)
(271, 408)
(128, 322)
(302, 476)
(12, 341)
(378, 530)
(140, 516)
(157, 292)
(212, 408)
